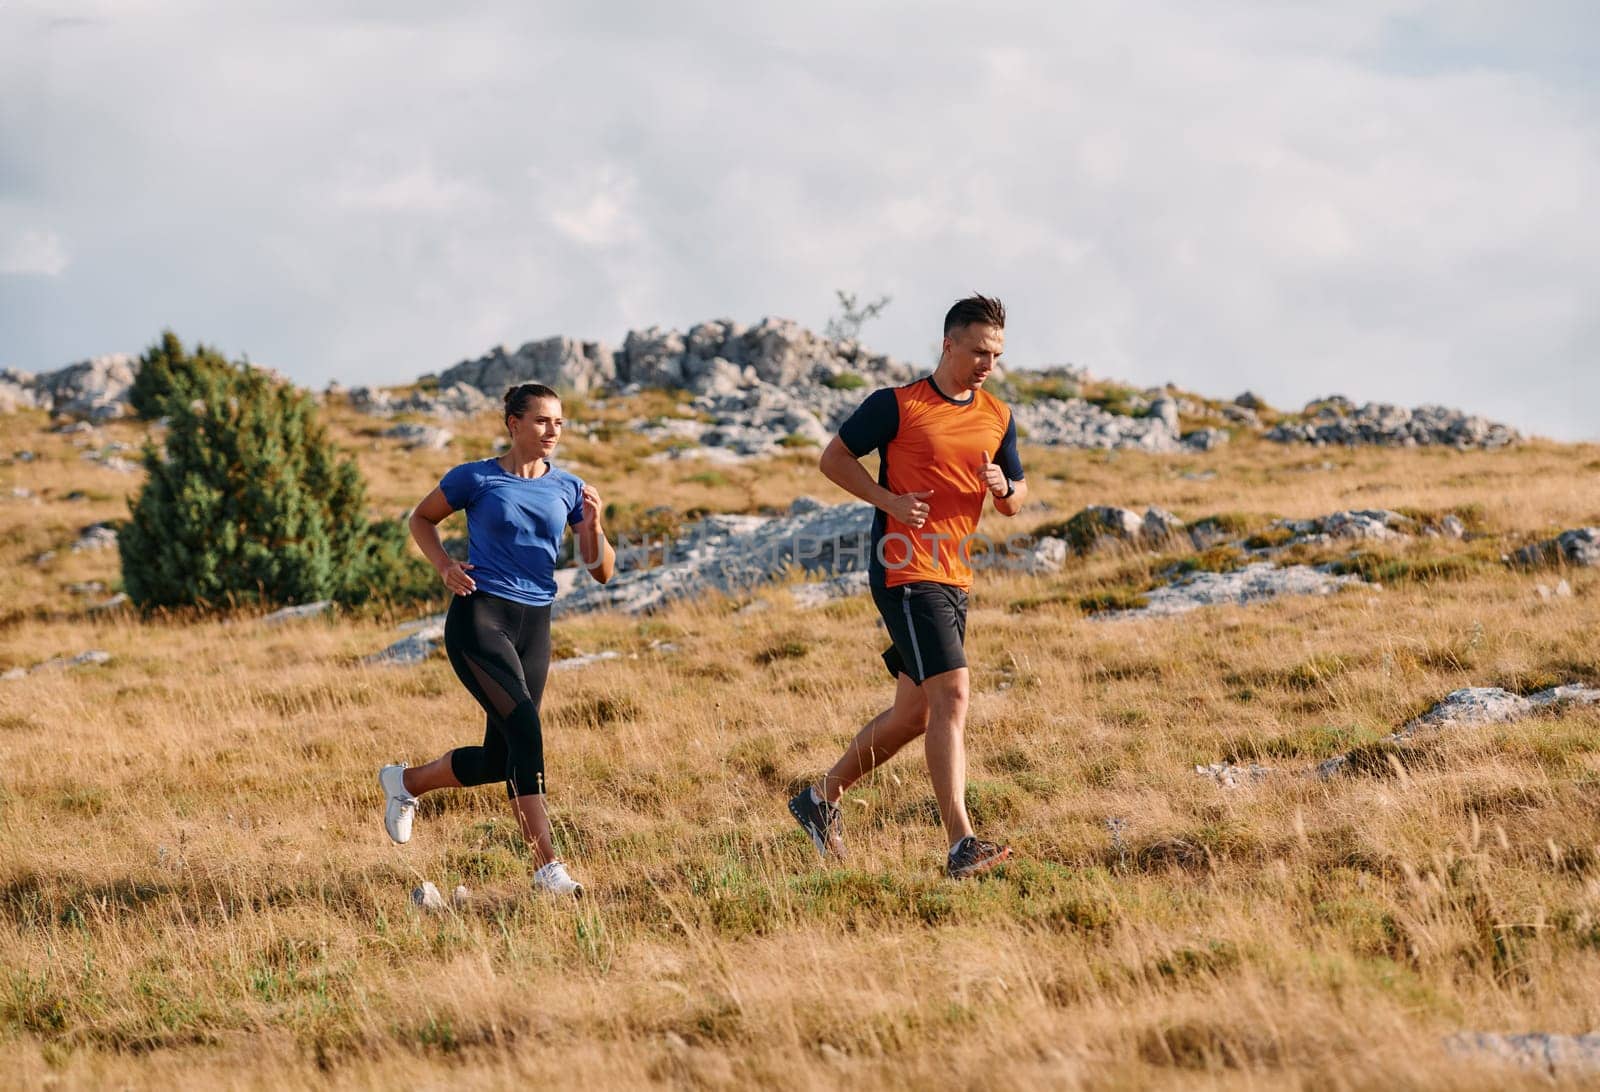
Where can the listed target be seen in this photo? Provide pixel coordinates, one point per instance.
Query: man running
(943, 444)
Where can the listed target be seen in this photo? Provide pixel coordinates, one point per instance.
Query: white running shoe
(399, 806)
(554, 879)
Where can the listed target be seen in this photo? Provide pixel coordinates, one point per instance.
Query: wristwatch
(1011, 487)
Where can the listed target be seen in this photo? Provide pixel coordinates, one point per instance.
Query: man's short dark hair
(975, 308)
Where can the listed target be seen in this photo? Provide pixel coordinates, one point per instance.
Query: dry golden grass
(195, 887)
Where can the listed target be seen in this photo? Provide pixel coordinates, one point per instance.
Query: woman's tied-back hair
(975, 308)
(518, 397)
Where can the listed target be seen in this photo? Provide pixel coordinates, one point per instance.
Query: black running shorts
(928, 624)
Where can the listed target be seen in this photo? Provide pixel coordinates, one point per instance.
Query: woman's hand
(456, 579)
(592, 505)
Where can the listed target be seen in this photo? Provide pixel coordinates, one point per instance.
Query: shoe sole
(982, 866)
(576, 894)
(386, 799)
(816, 840)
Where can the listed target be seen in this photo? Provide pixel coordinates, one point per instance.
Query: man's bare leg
(947, 694)
(876, 743)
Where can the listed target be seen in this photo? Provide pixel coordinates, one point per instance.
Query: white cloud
(34, 253)
(418, 190)
(1387, 197)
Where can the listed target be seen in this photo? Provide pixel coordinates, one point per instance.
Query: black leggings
(501, 651)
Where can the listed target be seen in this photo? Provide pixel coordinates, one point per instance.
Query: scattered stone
(808, 596)
(722, 455)
(21, 492)
(97, 536)
(1570, 694)
(1252, 584)
(419, 646)
(1251, 401)
(1562, 590)
(1335, 420)
(1555, 1055)
(1099, 525)
(1579, 546)
(461, 897)
(1452, 526)
(427, 898)
(1047, 555)
(304, 610)
(1165, 410)
(1159, 525)
(1376, 524)
(585, 660)
(87, 587)
(1204, 439)
(92, 658)
(1471, 705)
(1229, 776)
(413, 436)
(116, 602)
(456, 400)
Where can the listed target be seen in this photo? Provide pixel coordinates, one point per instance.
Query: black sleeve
(1007, 459)
(873, 424)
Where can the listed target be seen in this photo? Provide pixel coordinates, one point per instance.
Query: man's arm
(845, 470)
(1010, 506)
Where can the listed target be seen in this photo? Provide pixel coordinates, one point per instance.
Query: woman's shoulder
(477, 468)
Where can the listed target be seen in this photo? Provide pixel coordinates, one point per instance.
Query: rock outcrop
(732, 554)
(1475, 706)
(1337, 420)
(90, 390)
(1556, 1056)
(1073, 422)
(92, 658)
(1251, 584)
(1579, 546)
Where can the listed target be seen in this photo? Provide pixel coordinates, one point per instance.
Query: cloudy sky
(1389, 199)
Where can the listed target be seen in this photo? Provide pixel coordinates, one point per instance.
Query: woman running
(497, 631)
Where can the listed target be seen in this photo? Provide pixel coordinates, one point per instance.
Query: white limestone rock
(1252, 584)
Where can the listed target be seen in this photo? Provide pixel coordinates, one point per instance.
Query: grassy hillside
(195, 887)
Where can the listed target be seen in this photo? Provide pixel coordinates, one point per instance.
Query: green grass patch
(1112, 599)
(1269, 539)
(1218, 559)
(845, 381)
(790, 648)
(1382, 569)
(1472, 515)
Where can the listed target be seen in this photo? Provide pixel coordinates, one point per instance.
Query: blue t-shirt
(514, 526)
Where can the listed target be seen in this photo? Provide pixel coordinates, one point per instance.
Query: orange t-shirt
(930, 442)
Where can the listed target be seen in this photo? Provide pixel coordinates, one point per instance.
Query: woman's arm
(594, 550)
(424, 525)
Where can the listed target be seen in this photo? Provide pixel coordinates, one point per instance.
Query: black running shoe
(971, 856)
(821, 821)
